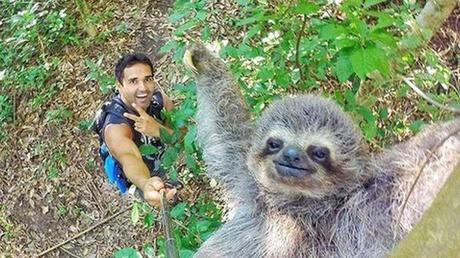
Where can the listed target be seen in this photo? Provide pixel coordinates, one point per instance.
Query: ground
(41, 212)
(37, 211)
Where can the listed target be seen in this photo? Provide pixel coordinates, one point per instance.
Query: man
(130, 119)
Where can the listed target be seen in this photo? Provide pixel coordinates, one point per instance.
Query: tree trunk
(438, 232)
(428, 22)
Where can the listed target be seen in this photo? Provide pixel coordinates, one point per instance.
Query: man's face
(137, 85)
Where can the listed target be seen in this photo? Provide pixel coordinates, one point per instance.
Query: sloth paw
(198, 58)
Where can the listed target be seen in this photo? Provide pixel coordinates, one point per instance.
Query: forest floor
(37, 211)
(40, 212)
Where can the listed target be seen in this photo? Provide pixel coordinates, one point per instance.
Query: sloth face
(294, 165)
(308, 147)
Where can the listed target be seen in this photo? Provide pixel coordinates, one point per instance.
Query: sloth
(301, 182)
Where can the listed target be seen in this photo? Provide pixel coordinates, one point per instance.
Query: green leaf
(358, 62)
(127, 253)
(202, 15)
(252, 32)
(343, 67)
(246, 21)
(178, 212)
(149, 251)
(384, 39)
(185, 27)
(178, 15)
(149, 218)
(366, 113)
(305, 7)
(203, 225)
(148, 149)
(380, 60)
(360, 27)
(416, 126)
(369, 3)
(366, 60)
(191, 163)
(341, 43)
(185, 253)
(282, 78)
(265, 74)
(206, 33)
(169, 157)
(135, 214)
(189, 139)
(385, 20)
(179, 54)
(170, 45)
(331, 31)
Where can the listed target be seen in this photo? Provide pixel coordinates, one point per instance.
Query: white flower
(430, 70)
(62, 14)
(31, 24)
(42, 13)
(258, 60)
(272, 38)
(2, 75)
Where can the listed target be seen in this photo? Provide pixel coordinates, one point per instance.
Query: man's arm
(118, 138)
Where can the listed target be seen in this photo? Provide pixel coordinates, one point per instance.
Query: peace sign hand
(144, 123)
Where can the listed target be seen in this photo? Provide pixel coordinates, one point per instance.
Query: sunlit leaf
(135, 214)
(127, 253)
(148, 149)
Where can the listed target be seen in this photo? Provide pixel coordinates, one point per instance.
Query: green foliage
(197, 221)
(349, 47)
(32, 33)
(127, 253)
(348, 52)
(6, 109)
(58, 115)
(99, 75)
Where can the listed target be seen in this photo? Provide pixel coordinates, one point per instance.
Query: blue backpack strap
(113, 171)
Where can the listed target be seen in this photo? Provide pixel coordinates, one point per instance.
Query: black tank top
(112, 113)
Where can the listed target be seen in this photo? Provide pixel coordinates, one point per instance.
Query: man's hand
(144, 123)
(152, 189)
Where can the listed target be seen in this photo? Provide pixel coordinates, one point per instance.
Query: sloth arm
(433, 154)
(438, 143)
(224, 127)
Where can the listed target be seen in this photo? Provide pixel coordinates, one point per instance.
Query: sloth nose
(291, 154)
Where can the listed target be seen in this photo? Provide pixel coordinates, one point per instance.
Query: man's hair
(129, 60)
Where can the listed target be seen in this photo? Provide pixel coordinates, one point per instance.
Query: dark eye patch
(320, 155)
(273, 145)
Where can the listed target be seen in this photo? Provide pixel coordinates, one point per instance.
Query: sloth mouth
(284, 169)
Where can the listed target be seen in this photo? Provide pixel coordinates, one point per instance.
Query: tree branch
(297, 45)
(438, 232)
(428, 22)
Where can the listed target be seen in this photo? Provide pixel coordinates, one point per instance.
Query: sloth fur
(300, 181)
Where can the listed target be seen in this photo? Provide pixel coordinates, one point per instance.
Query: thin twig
(85, 231)
(427, 98)
(98, 204)
(297, 45)
(69, 253)
(419, 173)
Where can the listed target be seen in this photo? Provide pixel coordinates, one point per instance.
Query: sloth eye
(274, 145)
(318, 153)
